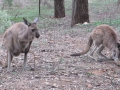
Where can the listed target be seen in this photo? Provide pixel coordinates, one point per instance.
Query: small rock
(115, 76)
(118, 80)
(89, 86)
(0, 69)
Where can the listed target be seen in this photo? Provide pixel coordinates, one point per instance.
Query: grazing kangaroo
(103, 36)
(18, 38)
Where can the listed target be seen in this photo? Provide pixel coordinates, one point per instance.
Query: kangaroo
(18, 38)
(103, 36)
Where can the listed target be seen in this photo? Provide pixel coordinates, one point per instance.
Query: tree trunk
(59, 9)
(79, 12)
(118, 2)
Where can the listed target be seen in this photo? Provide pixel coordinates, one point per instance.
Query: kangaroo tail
(90, 41)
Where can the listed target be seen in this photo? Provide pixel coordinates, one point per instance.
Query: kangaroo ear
(26, 22)
(36, 20)
(118, 45)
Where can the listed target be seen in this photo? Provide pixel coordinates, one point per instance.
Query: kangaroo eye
(33, 30)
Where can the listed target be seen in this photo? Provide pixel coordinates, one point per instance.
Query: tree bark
(79, 12)
(59, 9)
(118, 2)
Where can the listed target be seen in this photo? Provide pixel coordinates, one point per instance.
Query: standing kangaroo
(18, 38)
(103, 36)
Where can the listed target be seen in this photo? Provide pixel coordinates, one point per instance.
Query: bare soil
(50, 67)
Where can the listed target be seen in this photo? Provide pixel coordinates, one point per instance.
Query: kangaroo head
(32, 27)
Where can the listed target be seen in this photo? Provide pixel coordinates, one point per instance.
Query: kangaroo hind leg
(99, 52)
(92, 53)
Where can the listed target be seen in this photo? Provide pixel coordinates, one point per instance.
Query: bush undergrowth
(5, 21)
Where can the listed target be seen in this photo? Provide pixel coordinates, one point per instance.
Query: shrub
(4, 21)
(8, 2)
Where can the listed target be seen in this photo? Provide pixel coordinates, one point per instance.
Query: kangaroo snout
(37, 35)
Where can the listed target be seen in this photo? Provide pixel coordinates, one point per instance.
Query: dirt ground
(50, 67)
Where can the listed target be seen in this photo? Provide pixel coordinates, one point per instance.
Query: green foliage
(102, 12)
(4, 21)
(109, 22)
(9, 2)
(17, 15)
